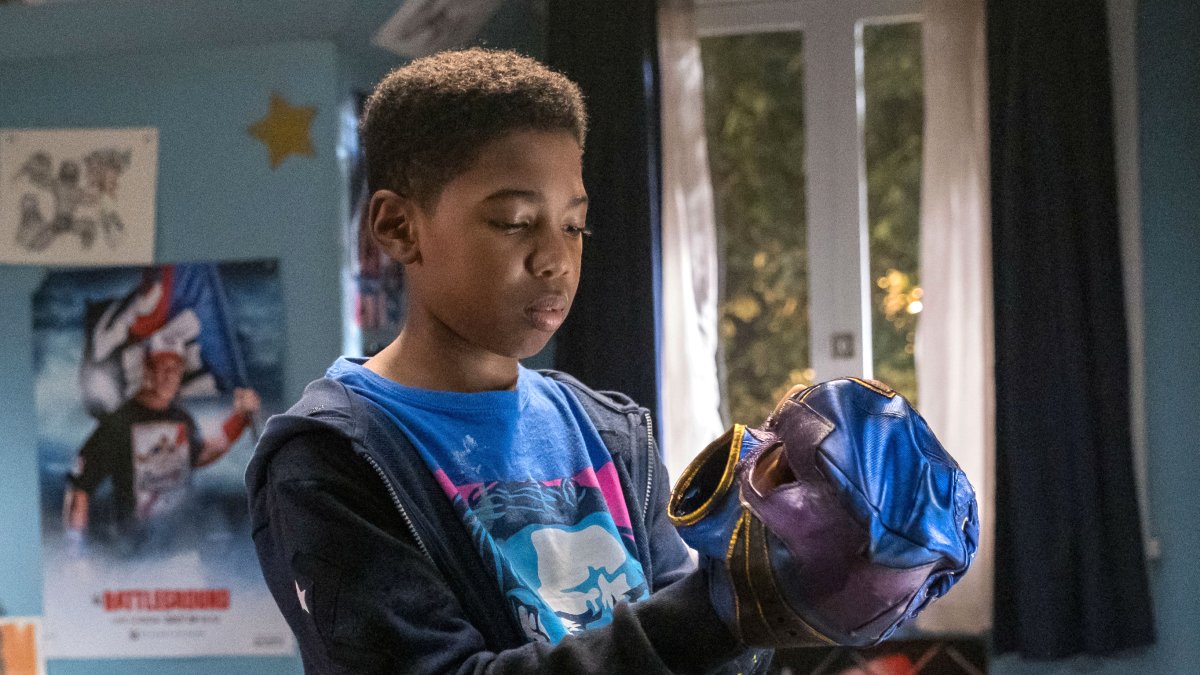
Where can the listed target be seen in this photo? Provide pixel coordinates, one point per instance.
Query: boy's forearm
(681, 624)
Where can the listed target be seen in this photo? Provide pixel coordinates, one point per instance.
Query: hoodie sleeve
(672, 560)
(362, 598)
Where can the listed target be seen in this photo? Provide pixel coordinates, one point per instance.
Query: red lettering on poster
(166, 599)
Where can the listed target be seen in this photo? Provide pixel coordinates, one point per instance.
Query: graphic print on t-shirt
(582, 571)
(561, 550)
(536, 488)
(162, 467)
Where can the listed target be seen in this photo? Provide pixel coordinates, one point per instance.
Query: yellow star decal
(285, 130)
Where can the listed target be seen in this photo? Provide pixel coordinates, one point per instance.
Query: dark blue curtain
(610, 339)
(1070, 572)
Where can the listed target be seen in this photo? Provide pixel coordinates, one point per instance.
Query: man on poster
(149, 447)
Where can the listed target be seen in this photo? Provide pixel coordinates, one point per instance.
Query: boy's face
(498, 255)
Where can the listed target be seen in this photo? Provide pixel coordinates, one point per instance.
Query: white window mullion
(837, 237)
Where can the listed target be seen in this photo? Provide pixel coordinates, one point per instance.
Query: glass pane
(892, 140)
(755, 128)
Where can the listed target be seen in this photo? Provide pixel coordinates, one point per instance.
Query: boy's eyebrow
(530, 196)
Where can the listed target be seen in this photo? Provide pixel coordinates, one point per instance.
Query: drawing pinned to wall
(77, 196)
(20, 653)
(285, 130)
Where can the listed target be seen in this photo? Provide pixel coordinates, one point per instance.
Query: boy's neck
(442, 365)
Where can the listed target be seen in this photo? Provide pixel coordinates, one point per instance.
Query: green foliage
(755, 120)
(892, 142)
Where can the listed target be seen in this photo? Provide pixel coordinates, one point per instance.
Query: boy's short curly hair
(426, 121)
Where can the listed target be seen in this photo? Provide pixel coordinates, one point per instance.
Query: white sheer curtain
(954, 338)
(691, 396)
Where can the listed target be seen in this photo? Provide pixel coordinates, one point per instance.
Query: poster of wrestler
(77, 196)
(151, 385)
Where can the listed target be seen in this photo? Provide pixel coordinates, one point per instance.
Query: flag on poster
(148, 381)
(169, 302)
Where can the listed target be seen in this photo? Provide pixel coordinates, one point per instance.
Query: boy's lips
(547, 312)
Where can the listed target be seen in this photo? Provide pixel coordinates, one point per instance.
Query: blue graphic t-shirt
(535, 486)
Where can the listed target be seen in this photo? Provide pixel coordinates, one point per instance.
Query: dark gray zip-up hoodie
(375, 573)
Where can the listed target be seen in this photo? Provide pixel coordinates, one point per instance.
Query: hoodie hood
(326, 405)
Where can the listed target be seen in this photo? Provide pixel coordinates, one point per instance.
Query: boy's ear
(392, 218)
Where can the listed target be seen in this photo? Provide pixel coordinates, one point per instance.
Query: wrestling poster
(151, 387)
(77, 196)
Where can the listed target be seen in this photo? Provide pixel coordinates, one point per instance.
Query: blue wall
(1169, 109)
(217, 199)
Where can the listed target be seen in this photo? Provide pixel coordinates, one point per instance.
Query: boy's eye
(510, 227)
(570, 230)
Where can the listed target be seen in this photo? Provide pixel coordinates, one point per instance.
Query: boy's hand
(836, 520)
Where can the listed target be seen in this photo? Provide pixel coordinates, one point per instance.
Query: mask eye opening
(771, 471)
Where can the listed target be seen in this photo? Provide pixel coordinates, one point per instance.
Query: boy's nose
(552, 254)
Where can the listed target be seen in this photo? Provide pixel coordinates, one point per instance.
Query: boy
(439, 508)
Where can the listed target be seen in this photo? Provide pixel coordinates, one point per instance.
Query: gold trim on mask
(731, 441)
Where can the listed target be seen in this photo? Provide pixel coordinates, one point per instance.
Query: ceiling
(58, 28)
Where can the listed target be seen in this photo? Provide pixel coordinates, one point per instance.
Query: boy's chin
(530, 347)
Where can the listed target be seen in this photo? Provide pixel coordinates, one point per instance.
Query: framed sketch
(77, 196)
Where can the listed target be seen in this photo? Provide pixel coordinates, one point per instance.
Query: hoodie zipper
(399, 507)
(649, 462)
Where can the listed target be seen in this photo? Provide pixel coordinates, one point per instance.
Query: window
(814, 130)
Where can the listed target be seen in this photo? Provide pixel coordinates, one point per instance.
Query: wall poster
(77, 196)
(150, 385)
